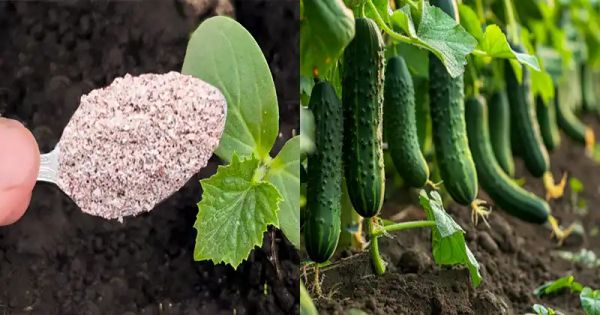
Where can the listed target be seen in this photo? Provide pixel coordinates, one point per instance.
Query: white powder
(132, 144)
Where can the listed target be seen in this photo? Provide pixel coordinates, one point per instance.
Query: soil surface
(515, 257)
(58, 260)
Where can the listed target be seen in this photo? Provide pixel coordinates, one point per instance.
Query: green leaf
(448, 240)
(325, 30)
(382, 8)
(542, 310)
(590, 301)
(563, 283)
(470, 21)
(234, 213)
(576, 185)
(495, 44)
(307, 307)
(403, 19)
(542, 85)
(222, 53)
(284, 174)
(445, 38)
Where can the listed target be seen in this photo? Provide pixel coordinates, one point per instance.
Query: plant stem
(378, 262)
(385, 28)
(480, 11)
(474, 76)
(511, 22)
(401, 226)
(480, 53)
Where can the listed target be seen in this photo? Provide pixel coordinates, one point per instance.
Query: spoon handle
(49, 167)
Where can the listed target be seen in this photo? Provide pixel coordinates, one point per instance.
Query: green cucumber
(422, 114)
(500, 187)
(322, 222)
(567, 120)
(546, 115)
(399, 124)
(499, 118)
(448, 123)
(362, 96)
(589, 100)
(524, 124)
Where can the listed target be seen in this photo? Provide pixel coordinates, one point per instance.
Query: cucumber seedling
(252, 190)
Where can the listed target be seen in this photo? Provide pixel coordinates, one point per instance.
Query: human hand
(19, 167)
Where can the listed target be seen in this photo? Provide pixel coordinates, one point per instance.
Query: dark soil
(515, 258)
(57, 260)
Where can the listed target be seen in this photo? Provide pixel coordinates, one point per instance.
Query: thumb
(19, 166)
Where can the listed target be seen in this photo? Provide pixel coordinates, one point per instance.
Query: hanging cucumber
(546, 115)
(524, 121)
(568, 121)
(589, 100)
(448, 123)
(322, 222)
(499, 118)
(399, 124)
(362, 95)
(499, 186)
(422, 115)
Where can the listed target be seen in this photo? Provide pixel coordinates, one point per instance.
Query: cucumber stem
(385, 28)
(401, 226)
(378, 263)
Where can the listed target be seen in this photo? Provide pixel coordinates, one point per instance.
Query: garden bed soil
(515, 257)
(58, 260)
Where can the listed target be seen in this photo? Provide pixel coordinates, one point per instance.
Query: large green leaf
(222, 53)
(445, 38)
(448, 240)
(234, 213)
(326, 28)
(284, 174)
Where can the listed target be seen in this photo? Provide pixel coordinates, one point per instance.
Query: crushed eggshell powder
(135, 142)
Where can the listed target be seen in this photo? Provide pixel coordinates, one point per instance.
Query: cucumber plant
(251, 190)
(435, 55)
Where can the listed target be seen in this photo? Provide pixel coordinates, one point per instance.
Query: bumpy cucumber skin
(449, 133)
(499, 118)
(362, 96)
(568, 121)
(524, 122)
(322, 222)
(399, 124)
(500, 187)
(546, 115)
(422, 115)
(447, 109)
